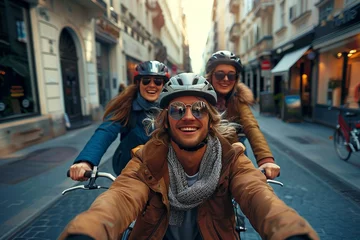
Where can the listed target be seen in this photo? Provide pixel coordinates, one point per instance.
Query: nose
(152, 83)
(226, 77)
(188, 115)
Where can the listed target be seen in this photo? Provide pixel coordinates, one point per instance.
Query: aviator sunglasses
(177, 110)
(157, 81)
(221, 75)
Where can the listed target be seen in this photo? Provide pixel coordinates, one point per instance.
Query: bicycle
(347, 135)
(94, 174)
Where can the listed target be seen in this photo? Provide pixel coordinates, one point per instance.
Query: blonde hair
(226, 129)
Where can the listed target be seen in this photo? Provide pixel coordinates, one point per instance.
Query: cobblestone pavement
(332, 214)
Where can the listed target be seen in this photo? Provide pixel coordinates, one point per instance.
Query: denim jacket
(107, 132)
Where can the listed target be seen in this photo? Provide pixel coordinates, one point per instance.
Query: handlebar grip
(87, 174)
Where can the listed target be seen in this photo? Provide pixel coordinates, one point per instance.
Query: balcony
(93, 5)
(263, 6)
(235, 32)
(264, 46)
(234, 6)
(156, 12)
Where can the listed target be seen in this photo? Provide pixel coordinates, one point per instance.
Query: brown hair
(219, 127)
(119, 107)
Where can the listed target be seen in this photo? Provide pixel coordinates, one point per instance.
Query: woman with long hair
(124, 114)
(234, 100)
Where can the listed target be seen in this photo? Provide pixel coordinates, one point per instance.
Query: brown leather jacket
(141, 193)
(238, 110)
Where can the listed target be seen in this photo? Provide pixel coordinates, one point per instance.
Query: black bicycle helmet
(223, 57)
(151, 68)
(187, 84)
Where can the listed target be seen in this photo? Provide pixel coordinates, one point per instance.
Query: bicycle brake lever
(73, 188)
(275, 182)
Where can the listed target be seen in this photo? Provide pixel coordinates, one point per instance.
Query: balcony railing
(264, 45)
(102, 3)
(262, 5)
(234, 6)
(235, 32)
(93, 5)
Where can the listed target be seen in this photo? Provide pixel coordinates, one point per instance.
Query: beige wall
(47, 58)
(294, 29)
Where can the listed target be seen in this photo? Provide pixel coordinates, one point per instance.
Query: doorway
(70, 77)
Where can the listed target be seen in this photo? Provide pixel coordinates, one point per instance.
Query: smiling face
(150, 88)
(189, 130)
(223, 86)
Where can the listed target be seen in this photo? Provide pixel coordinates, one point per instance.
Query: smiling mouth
(188, 129)
(151, 91)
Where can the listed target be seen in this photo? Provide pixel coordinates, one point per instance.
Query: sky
(198, 14)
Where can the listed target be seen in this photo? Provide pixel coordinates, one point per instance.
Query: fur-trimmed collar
(244, 94)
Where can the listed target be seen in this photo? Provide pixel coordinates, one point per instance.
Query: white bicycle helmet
(187, 84)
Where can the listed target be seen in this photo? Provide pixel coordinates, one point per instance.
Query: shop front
(338, 69)
(18, 92)
(292, 76)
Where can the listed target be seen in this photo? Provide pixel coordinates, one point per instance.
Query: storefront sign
(17, 91)
(265, 65)
(291, 109)
(345, 19)
(25, 103)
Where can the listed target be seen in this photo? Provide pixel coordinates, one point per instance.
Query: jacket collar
(141, 103)
(154, 156)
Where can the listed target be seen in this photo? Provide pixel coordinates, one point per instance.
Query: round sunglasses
(177, 110)
(220, 75)
(157, 81)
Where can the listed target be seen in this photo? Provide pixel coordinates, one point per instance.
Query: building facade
(62, 61)
(300, 48)
(337, 44)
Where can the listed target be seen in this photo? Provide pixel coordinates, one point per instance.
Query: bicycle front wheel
(341, 146)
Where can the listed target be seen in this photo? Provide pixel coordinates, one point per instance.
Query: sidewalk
(30, 185)
(312, 142)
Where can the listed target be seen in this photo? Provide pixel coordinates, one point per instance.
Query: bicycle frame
(344, 127)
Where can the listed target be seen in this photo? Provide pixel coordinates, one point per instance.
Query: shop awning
(288, 60)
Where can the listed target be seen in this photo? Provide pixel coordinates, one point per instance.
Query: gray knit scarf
(181, 196)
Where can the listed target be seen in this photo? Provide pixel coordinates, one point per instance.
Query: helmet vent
(180, 81)
(195, 81)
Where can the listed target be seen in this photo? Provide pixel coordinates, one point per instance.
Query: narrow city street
(312, 193)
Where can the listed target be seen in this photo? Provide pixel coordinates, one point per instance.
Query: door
(70, 77)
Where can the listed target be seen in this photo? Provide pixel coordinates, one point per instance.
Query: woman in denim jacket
(124, 114)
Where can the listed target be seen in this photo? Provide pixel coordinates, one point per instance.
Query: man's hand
(78, 170)
(272, 170)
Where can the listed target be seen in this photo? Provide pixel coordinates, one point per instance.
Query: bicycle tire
(339, 143)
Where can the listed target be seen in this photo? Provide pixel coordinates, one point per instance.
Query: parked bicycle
(347, 134)
(95, 174)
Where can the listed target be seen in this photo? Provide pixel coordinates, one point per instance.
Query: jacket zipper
(157, 225)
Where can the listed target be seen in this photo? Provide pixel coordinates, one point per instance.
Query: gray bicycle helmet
(223, 57)
(187, 84)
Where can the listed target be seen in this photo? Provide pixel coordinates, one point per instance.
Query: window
(303, 6)
(326, 10)
(282, 14)
(17, 86)
(257, 33)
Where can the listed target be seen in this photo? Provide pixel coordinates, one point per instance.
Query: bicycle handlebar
(87, 174)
